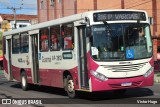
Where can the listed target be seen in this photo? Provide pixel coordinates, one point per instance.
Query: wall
(85, 5)
(108, 4)
(42, 12)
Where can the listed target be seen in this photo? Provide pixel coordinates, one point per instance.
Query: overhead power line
(14, 12)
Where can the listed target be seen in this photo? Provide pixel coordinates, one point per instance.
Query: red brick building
(52, 9)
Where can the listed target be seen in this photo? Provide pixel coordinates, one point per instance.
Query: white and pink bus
(91, 51)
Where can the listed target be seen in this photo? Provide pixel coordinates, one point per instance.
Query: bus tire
(120, 91)
(24, 83)
(70, 87)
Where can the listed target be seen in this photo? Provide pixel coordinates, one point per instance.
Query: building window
(22, 25)
(24, 43)
(15, 44)
(44, 36)
(52, 3)
(42, 4)
(55, 38)
(67, 36)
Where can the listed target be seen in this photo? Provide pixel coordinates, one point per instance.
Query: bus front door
(82, 54)
(9, 59)
(35, 62)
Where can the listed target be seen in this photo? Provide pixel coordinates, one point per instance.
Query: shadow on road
(45, 89)
(108, 95)
(95, 96)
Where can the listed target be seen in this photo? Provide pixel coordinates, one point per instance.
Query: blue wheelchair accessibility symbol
(130, 54)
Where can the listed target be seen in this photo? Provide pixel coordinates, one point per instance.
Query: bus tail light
(148, 72)
(99, 75)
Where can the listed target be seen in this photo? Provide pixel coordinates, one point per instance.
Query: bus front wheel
(70, 87)
(24, 83)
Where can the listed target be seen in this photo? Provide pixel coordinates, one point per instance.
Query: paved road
(59, 98)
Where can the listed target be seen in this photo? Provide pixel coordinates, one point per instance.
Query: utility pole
(14, 12)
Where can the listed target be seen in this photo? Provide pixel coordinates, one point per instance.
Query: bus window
(44, 36)
(55, 38)
(67, 36)
(16, 44)
(24, 43)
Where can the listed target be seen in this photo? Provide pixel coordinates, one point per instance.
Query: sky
(28, 7)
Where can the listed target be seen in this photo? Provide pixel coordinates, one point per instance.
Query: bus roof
(66, 19)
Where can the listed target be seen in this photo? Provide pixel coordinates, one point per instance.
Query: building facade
(7, 21)
(53, 9)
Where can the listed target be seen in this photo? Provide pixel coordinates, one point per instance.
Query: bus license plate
(126, 84)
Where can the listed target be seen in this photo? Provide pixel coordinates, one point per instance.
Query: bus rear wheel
(70, 87)
(24, 83)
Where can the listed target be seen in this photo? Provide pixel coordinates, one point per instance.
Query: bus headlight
(148, 72)
(99, 76)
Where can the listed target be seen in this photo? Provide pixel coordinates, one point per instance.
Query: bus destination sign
(113, 16)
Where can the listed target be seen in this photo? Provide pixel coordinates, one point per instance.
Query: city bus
(91, 51)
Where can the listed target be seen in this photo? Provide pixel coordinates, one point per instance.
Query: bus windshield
(128, 41)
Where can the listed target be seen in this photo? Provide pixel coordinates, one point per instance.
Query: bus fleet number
(57, 57)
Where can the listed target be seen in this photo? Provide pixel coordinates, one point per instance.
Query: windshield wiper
(108, 28)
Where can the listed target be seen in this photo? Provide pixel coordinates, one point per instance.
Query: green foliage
(0, 36)
(0, 52)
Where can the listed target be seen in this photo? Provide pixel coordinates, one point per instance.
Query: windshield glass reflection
(121, 41)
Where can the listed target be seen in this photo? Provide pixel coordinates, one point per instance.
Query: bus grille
(134, 84)
(124, 68)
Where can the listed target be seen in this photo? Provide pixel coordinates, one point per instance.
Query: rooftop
(18, 17)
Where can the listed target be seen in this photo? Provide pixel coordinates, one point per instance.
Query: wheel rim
(70, 86)
(23, 81)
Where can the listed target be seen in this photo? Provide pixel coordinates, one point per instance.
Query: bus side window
(55, 38)
(24, 43)
(44, 36)
(16, 44)
(67, 36)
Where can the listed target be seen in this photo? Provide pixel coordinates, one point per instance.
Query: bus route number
(57, 57)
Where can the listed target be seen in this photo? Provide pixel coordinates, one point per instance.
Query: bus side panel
(5, 64)
(20, 63)
(47, 77)
(74, 73)
(50, 77)
(17, 73)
